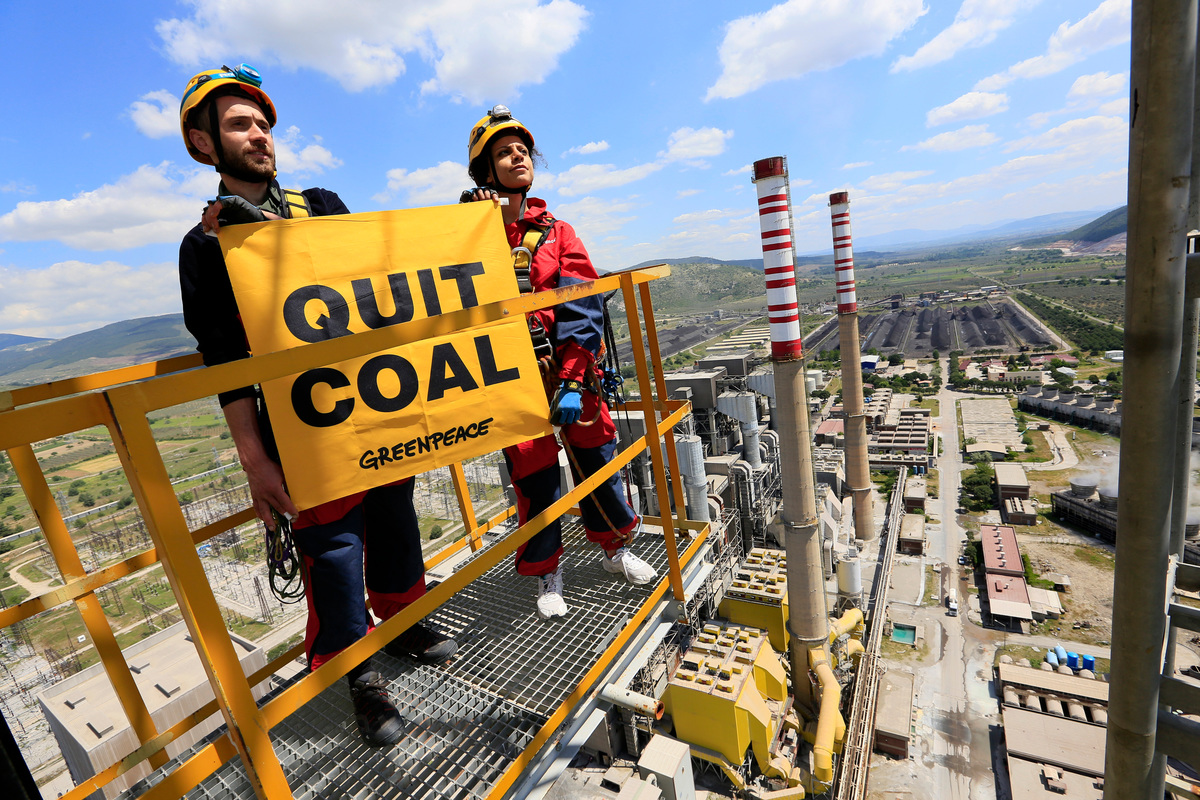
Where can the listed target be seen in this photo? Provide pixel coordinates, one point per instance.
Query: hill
(1111, 224)
(132, 341)
(8, 340)
(706, 284)
(1114, 223)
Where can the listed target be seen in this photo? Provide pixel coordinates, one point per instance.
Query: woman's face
(511, 163)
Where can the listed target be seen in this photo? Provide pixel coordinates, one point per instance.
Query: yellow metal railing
(121, 399)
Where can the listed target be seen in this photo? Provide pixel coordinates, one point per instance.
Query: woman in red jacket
(501, 163)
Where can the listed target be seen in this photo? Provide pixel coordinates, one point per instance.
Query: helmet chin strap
(500, 187)
(219, 152)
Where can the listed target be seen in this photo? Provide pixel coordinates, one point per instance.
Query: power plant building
(91, 729)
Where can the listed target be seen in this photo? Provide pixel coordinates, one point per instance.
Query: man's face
(246, 139)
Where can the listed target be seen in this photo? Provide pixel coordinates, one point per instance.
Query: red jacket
(576, 328)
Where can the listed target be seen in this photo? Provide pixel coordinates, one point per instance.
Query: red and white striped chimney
(775, 222)
(808, 618)
(843, 253)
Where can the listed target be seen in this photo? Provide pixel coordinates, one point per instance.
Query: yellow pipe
(830, 725)
(850, 623)
(855, 649)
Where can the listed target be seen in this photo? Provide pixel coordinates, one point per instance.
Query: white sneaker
(633, 568)
(550, 601)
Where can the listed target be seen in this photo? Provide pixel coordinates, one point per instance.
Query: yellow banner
(389, 415)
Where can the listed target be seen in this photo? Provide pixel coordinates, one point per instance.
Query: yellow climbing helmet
(244, 77)
(497, 122)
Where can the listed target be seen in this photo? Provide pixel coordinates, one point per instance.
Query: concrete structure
(857, 462)
(914, 495)
(990, 419)
(893, 714)
(1001, 555)
(91, 729)
(830, 433)
(1044, 603)
(1008, 601)
(1011, 481)
(993, 450)
(1052, 756)
(1099, 412)
(911, 540)
(1012, 495)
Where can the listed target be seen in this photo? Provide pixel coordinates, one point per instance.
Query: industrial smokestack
(858, 470)
(808, 620)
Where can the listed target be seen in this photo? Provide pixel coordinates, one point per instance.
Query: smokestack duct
(808, 620)
(858, 471)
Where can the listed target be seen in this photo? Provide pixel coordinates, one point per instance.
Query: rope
(283, 565)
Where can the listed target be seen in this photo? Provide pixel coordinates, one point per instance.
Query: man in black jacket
(226, 120)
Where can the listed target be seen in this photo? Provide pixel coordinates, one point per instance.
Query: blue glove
(567, 404)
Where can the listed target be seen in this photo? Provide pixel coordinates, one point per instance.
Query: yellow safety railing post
(168, 529)
(651, 408)
(465, 506)
(660, 381)
(58, 539)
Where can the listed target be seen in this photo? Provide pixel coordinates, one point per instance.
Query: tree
(436, 532)
(978, 494)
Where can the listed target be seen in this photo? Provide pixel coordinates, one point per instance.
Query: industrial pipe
(831, 728)
(1162, 98)
(633, 701)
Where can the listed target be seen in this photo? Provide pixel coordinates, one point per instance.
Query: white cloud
(589, 148)
(75, 296)
(891, 181)
(687, 192)
(156, 114)
(19, 187)
(693, 146)
(858, 164)
(976, 24)
(585, 178)
(971, 105)
(801, 36)
(432, 186)
(593, 218)
(1086, 135)
(153, 204)
(1106, 26)
(294, 157)
(743, 170)
(1099, 84)
(1115, 107)
(961, 139)
(364, 44)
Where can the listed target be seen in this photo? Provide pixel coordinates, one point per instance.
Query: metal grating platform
(468, 721)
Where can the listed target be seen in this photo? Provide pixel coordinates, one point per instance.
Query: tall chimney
(858, 469)
(808, 621)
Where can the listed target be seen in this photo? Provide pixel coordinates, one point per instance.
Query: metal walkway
(469, 721)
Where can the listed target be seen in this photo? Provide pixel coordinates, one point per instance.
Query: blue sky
(933, 115)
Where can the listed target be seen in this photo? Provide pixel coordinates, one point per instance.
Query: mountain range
(699, 282)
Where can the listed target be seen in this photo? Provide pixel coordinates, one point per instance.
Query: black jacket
(209, 308)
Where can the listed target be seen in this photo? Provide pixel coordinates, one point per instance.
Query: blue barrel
(1089, 662)
(1052, 659)
(1061, 652)
(1073, 660)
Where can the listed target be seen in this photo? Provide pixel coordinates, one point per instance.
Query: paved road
(955, 714)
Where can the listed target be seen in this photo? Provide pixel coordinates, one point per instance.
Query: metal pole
(1162, 82)
(1186, 387)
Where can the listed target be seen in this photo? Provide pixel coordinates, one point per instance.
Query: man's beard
(243, 168)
